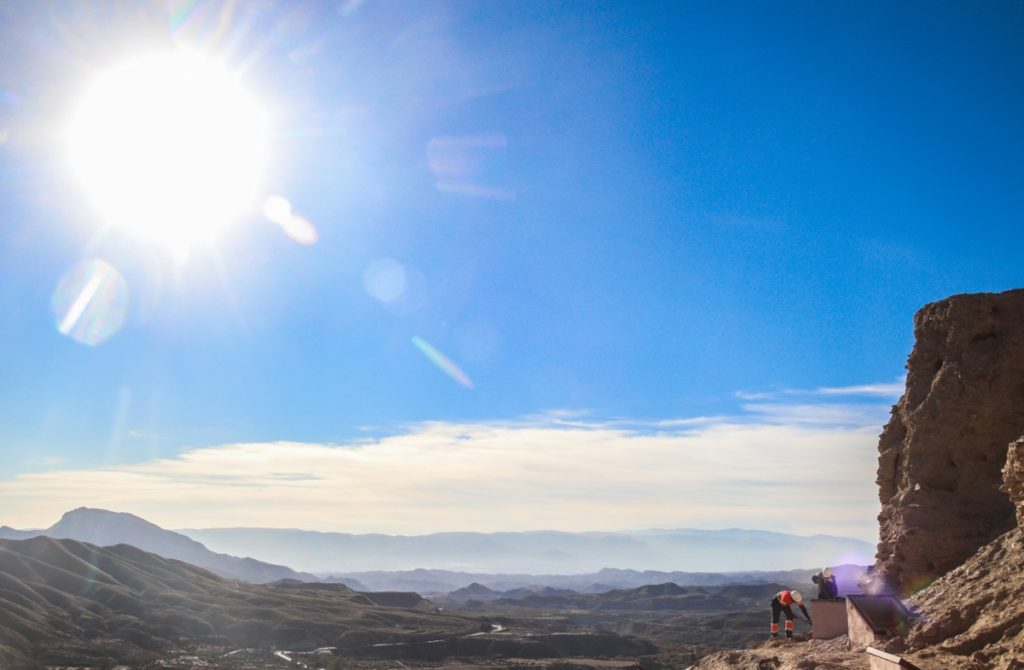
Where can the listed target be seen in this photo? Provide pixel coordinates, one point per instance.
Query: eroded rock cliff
(942, 452)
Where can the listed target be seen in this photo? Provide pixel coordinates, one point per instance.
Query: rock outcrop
(942, 452)
(1013, 478)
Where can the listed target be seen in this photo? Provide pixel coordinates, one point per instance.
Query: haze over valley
(539, 552)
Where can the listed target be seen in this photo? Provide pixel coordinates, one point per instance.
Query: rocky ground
(800, 654)
(973, 617)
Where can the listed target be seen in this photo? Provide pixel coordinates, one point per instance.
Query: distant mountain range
(103, 528)
(444, 583)
(540, 552)
(651, 597)
(444, 562)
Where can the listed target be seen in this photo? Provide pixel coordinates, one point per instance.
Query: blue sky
(632, 214)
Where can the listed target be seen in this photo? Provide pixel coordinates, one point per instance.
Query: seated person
(827, 587)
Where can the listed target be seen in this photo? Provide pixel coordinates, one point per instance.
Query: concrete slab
(830, 618)
(873, 618)
(881, 660)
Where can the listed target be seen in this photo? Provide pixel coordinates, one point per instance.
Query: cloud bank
(801, 468)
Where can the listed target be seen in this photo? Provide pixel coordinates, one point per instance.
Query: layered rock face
(942, 452)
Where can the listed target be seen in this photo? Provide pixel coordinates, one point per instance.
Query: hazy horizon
(538, 530)
(525, 552)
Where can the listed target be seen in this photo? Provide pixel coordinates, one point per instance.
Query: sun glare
(170, 148)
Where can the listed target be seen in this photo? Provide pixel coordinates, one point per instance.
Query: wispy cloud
(891, 390)
(760, 395)
(476, 190)
(850, 406)
(773, 469)
(464, 142)
(825, 414)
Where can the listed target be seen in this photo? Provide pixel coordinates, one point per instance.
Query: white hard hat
(826, 572)
(797, 596)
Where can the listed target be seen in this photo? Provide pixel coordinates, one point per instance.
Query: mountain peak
(105, 528)
(80, 512)
(99, 525)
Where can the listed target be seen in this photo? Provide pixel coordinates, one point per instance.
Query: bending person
(783, 602)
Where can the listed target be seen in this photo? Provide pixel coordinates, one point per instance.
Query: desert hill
(474, 591)
(104, 528)
(62, 600)
(708, 617)
(68, 603)
(652, 597)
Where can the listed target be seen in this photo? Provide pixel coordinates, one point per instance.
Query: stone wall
(942, 452)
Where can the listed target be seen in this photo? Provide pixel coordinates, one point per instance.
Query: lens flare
(443, 363)
(459, 162)
(385, 280)
(278, 210)
(90, 302)
(300, 230)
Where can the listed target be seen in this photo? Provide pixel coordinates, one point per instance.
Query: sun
(170, 148)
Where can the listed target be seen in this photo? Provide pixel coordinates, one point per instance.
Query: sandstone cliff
(944, 447)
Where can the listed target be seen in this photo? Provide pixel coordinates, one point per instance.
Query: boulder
(943, 450)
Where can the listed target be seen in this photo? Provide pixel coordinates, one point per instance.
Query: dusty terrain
(701, 618)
